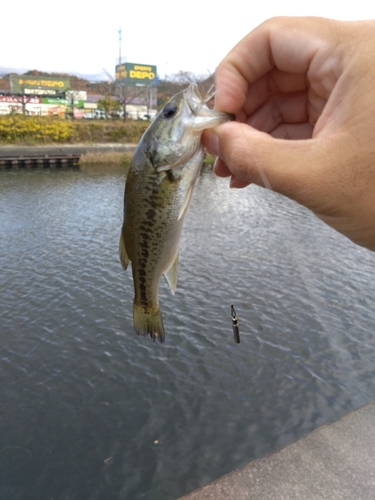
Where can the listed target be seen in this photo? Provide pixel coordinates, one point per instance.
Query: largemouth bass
(158, 190)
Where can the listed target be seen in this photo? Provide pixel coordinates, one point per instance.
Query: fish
(158, 191)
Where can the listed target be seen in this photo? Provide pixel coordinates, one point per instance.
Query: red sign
(18, 100)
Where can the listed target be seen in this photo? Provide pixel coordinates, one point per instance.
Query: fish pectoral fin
(153, 158)
(123, 254)
(171, 274)
(185, 203)
(163, 168)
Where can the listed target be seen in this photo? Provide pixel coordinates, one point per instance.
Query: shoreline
(115, 153)
(332, 462)
(101, 153)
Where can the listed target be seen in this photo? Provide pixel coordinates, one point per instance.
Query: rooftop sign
(133, 73)
(38, 85)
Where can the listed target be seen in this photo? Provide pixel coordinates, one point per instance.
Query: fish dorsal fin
(186, 202)
(123, 254)
(171, 274)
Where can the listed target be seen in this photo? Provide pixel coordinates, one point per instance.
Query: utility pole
(120, 66)
(119, 42)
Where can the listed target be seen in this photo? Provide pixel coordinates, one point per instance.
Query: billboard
(134, 73)
(25, 84)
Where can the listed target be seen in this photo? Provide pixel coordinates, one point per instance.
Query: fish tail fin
(148, 322)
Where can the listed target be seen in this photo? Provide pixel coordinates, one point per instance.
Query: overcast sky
(79, 37)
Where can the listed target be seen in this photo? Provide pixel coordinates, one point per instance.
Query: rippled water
(88, 410)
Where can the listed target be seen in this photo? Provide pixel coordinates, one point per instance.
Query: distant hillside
(4, 83)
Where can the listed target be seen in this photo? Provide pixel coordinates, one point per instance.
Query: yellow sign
(42, 83)
(135, 73)
(29, 84)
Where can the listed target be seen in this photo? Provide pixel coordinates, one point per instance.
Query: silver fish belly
(158, 191)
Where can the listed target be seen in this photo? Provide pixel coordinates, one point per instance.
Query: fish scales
(158, 190)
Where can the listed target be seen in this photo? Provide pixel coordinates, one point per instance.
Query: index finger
(288, 44)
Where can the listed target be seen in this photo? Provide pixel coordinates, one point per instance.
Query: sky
(78, 37)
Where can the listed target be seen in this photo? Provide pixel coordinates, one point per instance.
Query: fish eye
(169, 110)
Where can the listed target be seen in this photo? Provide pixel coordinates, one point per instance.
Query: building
(52, 96)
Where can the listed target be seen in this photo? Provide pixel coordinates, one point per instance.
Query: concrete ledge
(334, 462)
(57, 149)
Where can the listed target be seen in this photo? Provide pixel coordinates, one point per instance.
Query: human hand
(303, 92)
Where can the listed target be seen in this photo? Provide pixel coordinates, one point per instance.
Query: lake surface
(90, 411)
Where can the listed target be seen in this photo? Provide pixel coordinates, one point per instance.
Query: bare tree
(183, 78)
(23, 99)
(179, 81)
(71, 96)
(127, 94)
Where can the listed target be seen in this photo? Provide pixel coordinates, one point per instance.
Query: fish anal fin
(123, 253)
(148, 323)
(171, 274)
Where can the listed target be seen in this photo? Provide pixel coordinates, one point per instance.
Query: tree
(111, 107)
(71, 96)
(179, 81)
(23, 99)
(126, 94)
(4, 83)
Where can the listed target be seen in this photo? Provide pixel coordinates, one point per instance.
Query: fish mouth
(204, 117)
(194, 99)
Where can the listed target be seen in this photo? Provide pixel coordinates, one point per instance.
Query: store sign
(38, 85)
(58, 100)
(132, 73)
(18, 100)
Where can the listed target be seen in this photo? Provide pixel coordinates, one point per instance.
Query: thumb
(290, 167)
(331, 174)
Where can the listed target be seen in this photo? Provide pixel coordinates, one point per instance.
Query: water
(88, 410)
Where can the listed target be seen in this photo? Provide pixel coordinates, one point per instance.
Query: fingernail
(236, 183)
(215, 164)
(211, 141)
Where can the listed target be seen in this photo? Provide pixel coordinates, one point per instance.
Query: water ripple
(90, 410)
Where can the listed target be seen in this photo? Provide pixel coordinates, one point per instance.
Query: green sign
(59, 101)
(26, 84)
(132, 73)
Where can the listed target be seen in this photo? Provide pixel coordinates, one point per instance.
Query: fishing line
(236, 332)
(261, 171)
(305, 274)
(33, 348)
